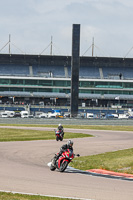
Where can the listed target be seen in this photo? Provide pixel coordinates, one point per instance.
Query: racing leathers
(61, 129)
(62, 149)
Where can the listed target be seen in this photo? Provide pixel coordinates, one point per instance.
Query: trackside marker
(101, 172)
(111, 173)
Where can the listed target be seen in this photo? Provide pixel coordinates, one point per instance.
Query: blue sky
(31, 23)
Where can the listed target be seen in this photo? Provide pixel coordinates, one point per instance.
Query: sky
(34, 24)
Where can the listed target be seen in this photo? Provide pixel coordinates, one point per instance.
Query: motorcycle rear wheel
(63, 166)
(52, 168)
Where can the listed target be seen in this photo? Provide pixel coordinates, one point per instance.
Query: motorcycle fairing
(66, 156)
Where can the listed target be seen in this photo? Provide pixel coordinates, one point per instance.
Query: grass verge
(11, 196)
(118, 161)
(26, 135)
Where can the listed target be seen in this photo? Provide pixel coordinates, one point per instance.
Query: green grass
(7, 134)
(118, 161)
(11, 196)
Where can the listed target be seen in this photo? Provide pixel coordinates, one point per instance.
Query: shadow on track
(77, 171)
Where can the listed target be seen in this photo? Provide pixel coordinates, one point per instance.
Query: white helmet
(70, 143)
(59, 125)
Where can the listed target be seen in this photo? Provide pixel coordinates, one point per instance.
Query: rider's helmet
(59, 125)
(70, 143)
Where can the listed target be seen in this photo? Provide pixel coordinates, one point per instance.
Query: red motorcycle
(59, 134)
(63, 161)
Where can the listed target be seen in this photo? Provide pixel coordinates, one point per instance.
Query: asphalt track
(67, 121)
(24, 167)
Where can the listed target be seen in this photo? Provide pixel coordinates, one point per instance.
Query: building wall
(103, 71)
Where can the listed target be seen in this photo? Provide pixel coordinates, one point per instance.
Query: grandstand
(32, 79)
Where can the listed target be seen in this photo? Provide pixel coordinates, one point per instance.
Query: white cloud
(31, 24)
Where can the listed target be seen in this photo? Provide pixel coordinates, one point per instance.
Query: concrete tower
(75, 65)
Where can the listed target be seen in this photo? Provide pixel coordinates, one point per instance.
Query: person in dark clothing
(120, 75)
(69, 145)
(61, 129)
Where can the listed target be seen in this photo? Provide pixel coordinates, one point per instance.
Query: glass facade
(64, 86)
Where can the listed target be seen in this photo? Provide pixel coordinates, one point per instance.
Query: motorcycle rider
(69, 145)
(61, 129)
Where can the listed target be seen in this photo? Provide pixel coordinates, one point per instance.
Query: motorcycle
(63, 161)
(59, 134)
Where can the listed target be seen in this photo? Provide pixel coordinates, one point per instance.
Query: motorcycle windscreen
(70, 153)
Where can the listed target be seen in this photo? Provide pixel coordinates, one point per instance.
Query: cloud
(31, 24)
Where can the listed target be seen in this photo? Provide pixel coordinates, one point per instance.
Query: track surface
(23, 167)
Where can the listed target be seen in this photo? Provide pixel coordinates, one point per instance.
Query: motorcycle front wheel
(57, 138)
(63, 166)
